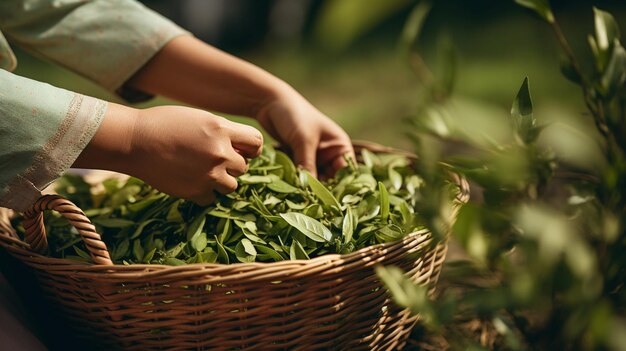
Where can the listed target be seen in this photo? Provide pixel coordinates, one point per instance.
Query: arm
(110, 41)
(183, 151)
(188, 70)
(106, 41)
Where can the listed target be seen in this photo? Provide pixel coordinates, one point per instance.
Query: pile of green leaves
(278, 212)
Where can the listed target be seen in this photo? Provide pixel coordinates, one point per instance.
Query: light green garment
(43, 129)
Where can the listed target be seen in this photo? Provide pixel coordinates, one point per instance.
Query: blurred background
(343, 55)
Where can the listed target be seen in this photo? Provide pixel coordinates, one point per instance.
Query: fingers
(236, 165)
(305, 156)
(226, 184)
(246, 139)
(223, 183)
(333, 155)
(338, 163)
(341, 160)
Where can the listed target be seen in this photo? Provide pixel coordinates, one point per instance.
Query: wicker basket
(329, 302)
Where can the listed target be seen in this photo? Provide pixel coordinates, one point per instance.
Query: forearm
(191, 71)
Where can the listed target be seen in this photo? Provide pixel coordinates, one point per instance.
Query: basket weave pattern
(329, 302)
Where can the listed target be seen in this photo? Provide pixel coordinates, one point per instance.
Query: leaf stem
(421, 70)
(597, 110)
(567, 49)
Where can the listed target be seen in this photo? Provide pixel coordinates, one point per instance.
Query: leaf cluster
(278, 212)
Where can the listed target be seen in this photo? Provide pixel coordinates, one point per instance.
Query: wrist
(111, 147)
(278, 94)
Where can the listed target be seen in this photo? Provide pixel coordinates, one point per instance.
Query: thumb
(304, 155)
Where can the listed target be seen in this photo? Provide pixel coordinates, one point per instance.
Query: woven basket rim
(22, 246)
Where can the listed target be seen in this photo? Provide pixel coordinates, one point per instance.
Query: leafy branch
(544, 267)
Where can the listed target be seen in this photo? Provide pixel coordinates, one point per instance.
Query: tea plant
(545, 267)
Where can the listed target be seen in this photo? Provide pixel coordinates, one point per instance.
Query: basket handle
(35, 231)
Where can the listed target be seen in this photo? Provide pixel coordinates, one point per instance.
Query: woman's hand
(181, 151)
(316, 141)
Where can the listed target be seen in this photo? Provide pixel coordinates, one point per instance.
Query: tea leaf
(569, 71)
(121, 250)
(387, 234)
(404, 292)
(226, 229)
(368, 209)
(308, 226)
(294, 206)
(251, 226)
(145, 203)
(280, 186)
(349, 224)
(245, 251)
(148, 257)
(288, 167)
(369, 158)
(195, 228)
(222, 254)
(413, 25)
(407, 215)
(607, 30)
(142, 226)
(314, 211)
(541, 7)
(240, 205)
(199, 241)
(364, 181)
(138, 251)
(384, 202)
(614, 75)
(248, 247)
(395, 178)
(272, 201)
(113, 222)
(208, 256)
(522, 114)
(271, 253)
(254, 179)
(173, 214)
(253, 237)
(296, 251)
(322, 192)
(82, 253)
(170, 261)
(351, 199)
(176, 250)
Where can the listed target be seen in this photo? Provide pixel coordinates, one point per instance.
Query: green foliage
(545, 265)
(413, 26)
(277, 213)
(541, 7)
(525, 124)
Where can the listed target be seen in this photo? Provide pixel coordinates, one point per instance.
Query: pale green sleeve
(43, 129)
(106, 41)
